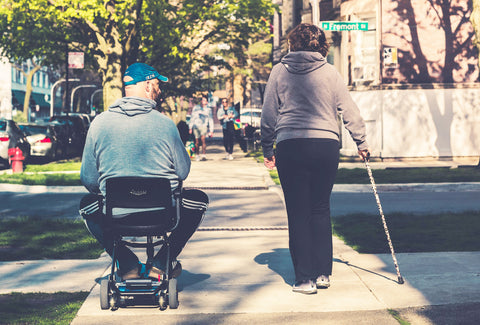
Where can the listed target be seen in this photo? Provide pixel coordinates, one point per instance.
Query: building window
(364, 62)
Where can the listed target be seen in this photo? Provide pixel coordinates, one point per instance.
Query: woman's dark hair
(308, 37)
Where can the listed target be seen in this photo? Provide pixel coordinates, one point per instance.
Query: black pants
(229, 137)
(307, 170)
(191, 214)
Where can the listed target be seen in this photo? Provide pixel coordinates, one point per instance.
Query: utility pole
(315, 12)
(67, 90)
(52, 93)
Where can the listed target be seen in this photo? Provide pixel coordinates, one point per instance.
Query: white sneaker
(204, 158)
(227, 156)
(197, 158)
(323, 281)
(306, 287)
(230, 157)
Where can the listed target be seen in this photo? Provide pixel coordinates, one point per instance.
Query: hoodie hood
(132, 106)
(302, 62)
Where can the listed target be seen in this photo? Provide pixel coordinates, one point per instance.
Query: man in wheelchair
(132, 138)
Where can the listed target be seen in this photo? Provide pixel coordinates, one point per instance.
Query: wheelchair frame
(140, 192)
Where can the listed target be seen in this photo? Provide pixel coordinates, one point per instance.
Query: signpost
(344, 26)
(75, 60)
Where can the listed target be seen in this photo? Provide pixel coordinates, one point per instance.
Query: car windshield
(254, 114)
(33, 129)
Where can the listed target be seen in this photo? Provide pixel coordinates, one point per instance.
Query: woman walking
(303, 96)
(226, 115)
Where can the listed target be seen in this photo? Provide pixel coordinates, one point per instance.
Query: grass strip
(60, 166)
(409, 175)
(447, 232)
(395, 314)
(42, 179)
(27, 238)
(40, 308)
(395, 175)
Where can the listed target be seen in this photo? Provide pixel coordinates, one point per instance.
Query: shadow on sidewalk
(279, 261)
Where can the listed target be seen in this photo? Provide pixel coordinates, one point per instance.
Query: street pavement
(237, 267)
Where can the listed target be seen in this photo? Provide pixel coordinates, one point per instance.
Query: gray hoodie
(132, 139)
(303, 96)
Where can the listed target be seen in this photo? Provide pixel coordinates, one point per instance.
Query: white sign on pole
(75, 60)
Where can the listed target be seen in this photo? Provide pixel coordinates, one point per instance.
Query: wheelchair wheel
(172, 293)
(104, 294)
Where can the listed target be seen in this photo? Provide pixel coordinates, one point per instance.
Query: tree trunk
(28, 91)
(420, 60)
(449, 37)
(112, 83)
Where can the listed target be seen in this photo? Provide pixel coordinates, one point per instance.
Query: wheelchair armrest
(178, 191)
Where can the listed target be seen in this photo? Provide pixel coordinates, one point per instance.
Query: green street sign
(342, 26)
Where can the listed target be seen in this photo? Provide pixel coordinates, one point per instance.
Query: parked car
(12, 137)
(251, 116)
(45, 140)
(76, 130)
(86, 119)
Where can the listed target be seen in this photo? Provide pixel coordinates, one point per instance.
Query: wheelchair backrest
(138, 192)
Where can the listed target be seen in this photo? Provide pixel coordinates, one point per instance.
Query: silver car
(251, 116)
(44, 140)
(12, 137)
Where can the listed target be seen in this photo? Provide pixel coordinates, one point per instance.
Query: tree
(169, 35)
(24, 38)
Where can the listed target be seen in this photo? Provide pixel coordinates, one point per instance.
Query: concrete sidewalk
(237, 269)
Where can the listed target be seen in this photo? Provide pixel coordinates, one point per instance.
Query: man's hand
(190, 131)
(210, 134)
(269, 162)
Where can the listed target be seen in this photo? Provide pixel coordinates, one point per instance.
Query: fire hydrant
(16, 158)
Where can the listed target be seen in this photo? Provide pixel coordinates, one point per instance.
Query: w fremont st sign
(341, 26)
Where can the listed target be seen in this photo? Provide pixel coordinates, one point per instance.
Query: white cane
(377, 198)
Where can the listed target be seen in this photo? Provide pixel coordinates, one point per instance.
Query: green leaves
(173, 36)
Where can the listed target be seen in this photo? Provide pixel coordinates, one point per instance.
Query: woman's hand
(364, 154)
(269, 162)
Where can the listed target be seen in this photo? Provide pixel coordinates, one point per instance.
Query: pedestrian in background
(303, 97)
(227, 114)
(201, 124)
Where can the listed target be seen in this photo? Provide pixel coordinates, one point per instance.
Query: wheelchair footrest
(139, 286)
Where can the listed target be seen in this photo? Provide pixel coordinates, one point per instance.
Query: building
(13, 87)
(413, 71)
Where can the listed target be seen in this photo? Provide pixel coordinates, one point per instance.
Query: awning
(18, 97)
(39, 100)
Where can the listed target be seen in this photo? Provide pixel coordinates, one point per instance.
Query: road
(62, 202)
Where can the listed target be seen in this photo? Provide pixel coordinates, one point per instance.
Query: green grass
(42, 179)
(409, 175)
(395, 314)
(69, 165)
(410, 233)
(34, 239)
(40, 308)
(50, 179)
(395, 175)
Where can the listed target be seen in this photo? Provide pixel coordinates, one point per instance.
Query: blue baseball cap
(142, 72)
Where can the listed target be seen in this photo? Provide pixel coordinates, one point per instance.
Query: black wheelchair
(146, 193)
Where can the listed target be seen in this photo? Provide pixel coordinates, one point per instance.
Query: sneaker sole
(309, 292)
(323, 285)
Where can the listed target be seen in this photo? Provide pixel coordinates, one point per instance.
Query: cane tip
(400, 280)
